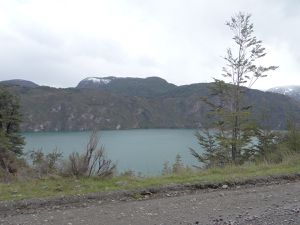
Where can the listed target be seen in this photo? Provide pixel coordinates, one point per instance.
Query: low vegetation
(267, 146)
(91, 162)
(62, 186)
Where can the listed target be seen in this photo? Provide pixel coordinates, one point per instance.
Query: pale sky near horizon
(60, 42)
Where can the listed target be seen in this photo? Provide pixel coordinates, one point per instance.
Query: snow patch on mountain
(292, 91)
(95, 82)
(99, 80)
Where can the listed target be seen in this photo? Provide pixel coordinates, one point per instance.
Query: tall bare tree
(228, 106)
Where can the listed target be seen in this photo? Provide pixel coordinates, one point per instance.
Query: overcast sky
(60, 42)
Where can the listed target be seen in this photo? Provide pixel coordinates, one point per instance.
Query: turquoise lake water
(139, 150)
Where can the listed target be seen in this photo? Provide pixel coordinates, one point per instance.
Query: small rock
(296, 210)
(146, 193)
(122, 183)
(14, 192)
(58, 189)
(225, 186)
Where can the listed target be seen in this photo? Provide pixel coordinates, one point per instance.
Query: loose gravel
(256, 203)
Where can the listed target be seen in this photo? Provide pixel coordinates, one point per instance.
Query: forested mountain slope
(125, 103)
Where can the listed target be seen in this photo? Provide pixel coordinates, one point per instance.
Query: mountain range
(128, 103)
(292, 91)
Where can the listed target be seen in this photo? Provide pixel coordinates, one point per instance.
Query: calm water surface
(139, 150)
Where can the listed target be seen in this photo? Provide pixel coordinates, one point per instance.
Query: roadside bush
(45, 164)
(265, 147)
(129, 174)
(275, 147)
(292, 137)
(8, 166)
(91, 162)
(279, 153)
(166, 169)
(176, 168)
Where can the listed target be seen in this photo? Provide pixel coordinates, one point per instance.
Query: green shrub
(45, 164)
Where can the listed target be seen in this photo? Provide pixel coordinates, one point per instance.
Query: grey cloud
(148, 62)
(187, 39)
(40, 36)
(107, 50)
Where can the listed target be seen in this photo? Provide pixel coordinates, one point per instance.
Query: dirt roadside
(274, 202)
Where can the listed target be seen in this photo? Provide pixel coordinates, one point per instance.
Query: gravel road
(250, 205)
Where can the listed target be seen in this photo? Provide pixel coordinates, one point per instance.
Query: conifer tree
(11, 142)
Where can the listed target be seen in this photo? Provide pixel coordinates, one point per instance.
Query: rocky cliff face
(124, 103)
